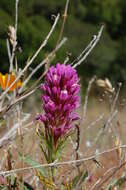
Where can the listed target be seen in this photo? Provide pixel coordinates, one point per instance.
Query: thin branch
(16, 17)
(110, 175)
(100, 179)
(96, 121)
(90, 47)
(112, 115)
(101, 132)
(12, 132)
(70, 162)
(8, 50)
(6, 109)
(33, 57)
(15, 137)
(116, 98)
(86, 99)
(85, 50)
(66, 60)
(15, 36)
(41, 64)
(63, 24)
(32, 89)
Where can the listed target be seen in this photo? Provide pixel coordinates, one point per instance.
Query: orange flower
(7, 79)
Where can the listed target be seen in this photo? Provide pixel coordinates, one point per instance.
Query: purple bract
(60, 99)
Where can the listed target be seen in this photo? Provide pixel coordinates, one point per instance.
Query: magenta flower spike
(60, 99)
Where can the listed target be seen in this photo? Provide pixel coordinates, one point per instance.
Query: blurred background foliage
(83, 21)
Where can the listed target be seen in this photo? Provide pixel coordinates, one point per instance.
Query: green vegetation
(84, 18)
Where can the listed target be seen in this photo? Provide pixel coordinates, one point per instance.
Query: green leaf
(120, 181)
(31, 162)
(61, 144)
(79, 179)
(13, 181)
(66, 186)
(23, 186)
(117, 182)
(111, 185)
(2, 187)
(47, 142)
(46, 181)
(62, 187)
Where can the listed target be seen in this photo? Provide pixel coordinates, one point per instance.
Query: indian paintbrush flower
(60, 99)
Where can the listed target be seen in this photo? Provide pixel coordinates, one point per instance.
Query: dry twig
(33, 57)
(59, 164)
(89, 48)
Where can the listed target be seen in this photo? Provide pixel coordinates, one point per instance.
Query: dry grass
(88, 146)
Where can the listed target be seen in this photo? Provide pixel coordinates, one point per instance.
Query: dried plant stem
(8, 107)
(112, 115)
(12, 132)
(86, 99)
(108, 122)
(96, 121)
(89, 48)
(9, 167)
(15, 36)
(33, 57)
(14, 137)
(41, 64)
(115, 99)
(104, 175)
(33, 89)
(85, 104)
(20, 133)
(9, 52)
(63, 24)
(98, 186)
(66, 60)
(70, 162)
